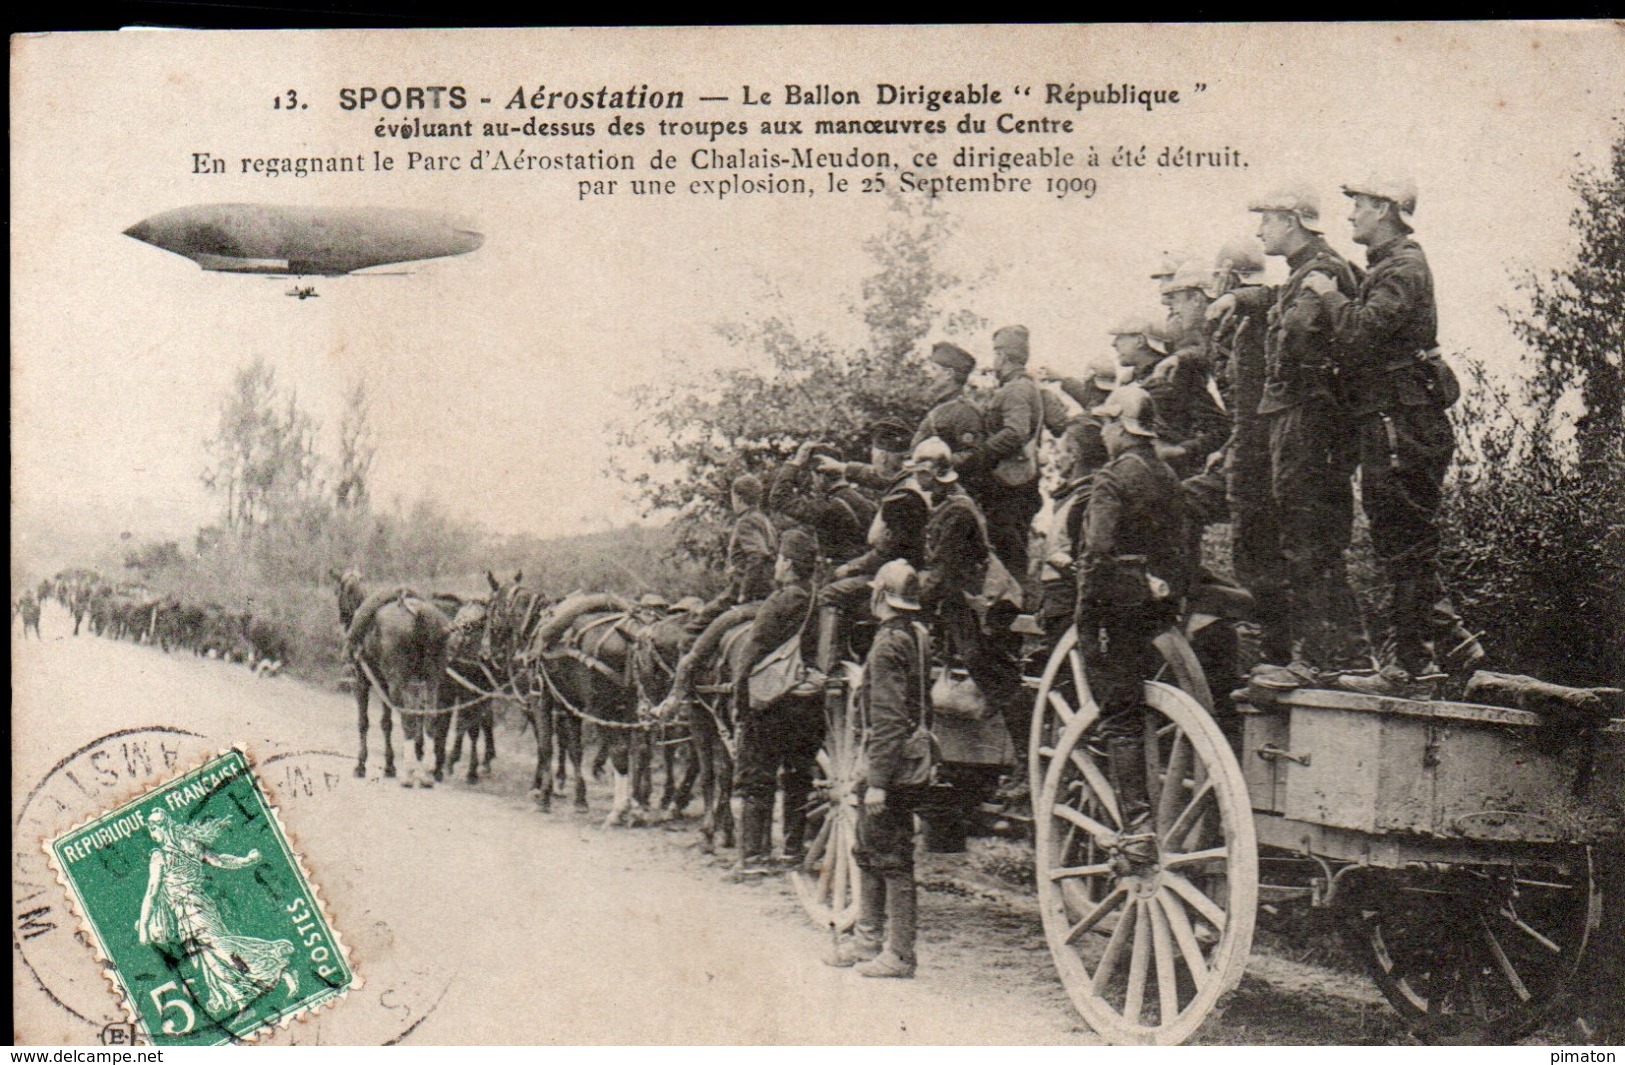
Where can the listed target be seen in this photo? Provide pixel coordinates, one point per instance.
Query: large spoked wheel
(1474, 954)
(827, 882)
(1146, 952)
(1063, 688)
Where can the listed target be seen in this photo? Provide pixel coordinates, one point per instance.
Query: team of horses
(588, 665)
(131, 612)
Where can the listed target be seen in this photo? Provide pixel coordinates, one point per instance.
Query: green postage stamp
(205, 919)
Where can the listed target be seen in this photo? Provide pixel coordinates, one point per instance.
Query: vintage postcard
(819, 535)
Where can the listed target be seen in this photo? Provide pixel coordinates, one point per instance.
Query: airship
(251, 238)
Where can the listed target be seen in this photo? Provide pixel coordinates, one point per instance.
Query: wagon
(1457, 839)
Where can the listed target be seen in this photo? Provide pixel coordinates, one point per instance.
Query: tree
(264, 453)
(706, 426)
(1535, 543)
(1575, 321)
(357, 448)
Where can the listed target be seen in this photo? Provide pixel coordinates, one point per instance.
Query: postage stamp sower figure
(209, 926)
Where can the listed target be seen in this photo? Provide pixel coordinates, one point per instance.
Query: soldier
(1190, 421)
(893, 699)
(1255, 537)
(831, 508)
(1131, 578)
(898, 531)
(973, 596)
(953, 418)
(1385, 332)
(1014, 418)
(1311, 463)
(752, 546)
(1084, 452)
(785, 736)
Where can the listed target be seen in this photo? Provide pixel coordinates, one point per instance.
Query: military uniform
(839, 517)
(898, 531)
(1405, 438)
(1133, 531)
(962, 580)
(1255, 533)
(782, 738)
(1008, 460)
(752, 545)
(1311, 460)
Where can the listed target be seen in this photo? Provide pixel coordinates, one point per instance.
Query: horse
(579, 669)
(399, 640)
(469, 672)
(711, 720)
(654, 662)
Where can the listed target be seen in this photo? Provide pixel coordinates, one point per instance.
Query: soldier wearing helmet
(970, 595)
(897, 531)
(1131, 577)
(1188, 419)
(1311, 464)
(893, 700)
(1384, 331)
(1239, 359)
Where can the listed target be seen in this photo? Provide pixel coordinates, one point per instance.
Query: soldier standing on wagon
(1310, 458)
(893, 700)
(1385, 333)
(1131, 578)
(1255, 534)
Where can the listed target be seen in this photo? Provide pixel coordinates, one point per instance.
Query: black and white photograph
(1099, 535)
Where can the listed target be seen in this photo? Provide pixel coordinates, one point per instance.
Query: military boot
(795, 829)
(755, 838)
(1271, 608)
(1304, 620)
(866, 940)
(896, 961)
(1138, 841)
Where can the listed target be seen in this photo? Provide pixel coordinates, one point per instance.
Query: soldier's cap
(747, 486)
(1293, 200)
(688, 604)
(934, 455)
(1130, 405)
(1170, 263)
(1141, 326)
(1396, 189)
(891, 435)
(1011, 343)
(1189, 277)
(798, 547)
(898, 581)
(952, 356)
(1243, 256)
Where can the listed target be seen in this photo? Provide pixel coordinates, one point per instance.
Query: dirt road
(475, 918)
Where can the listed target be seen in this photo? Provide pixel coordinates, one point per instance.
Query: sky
(497, 376)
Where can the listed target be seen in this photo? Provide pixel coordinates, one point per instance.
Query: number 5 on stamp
(204, 917)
